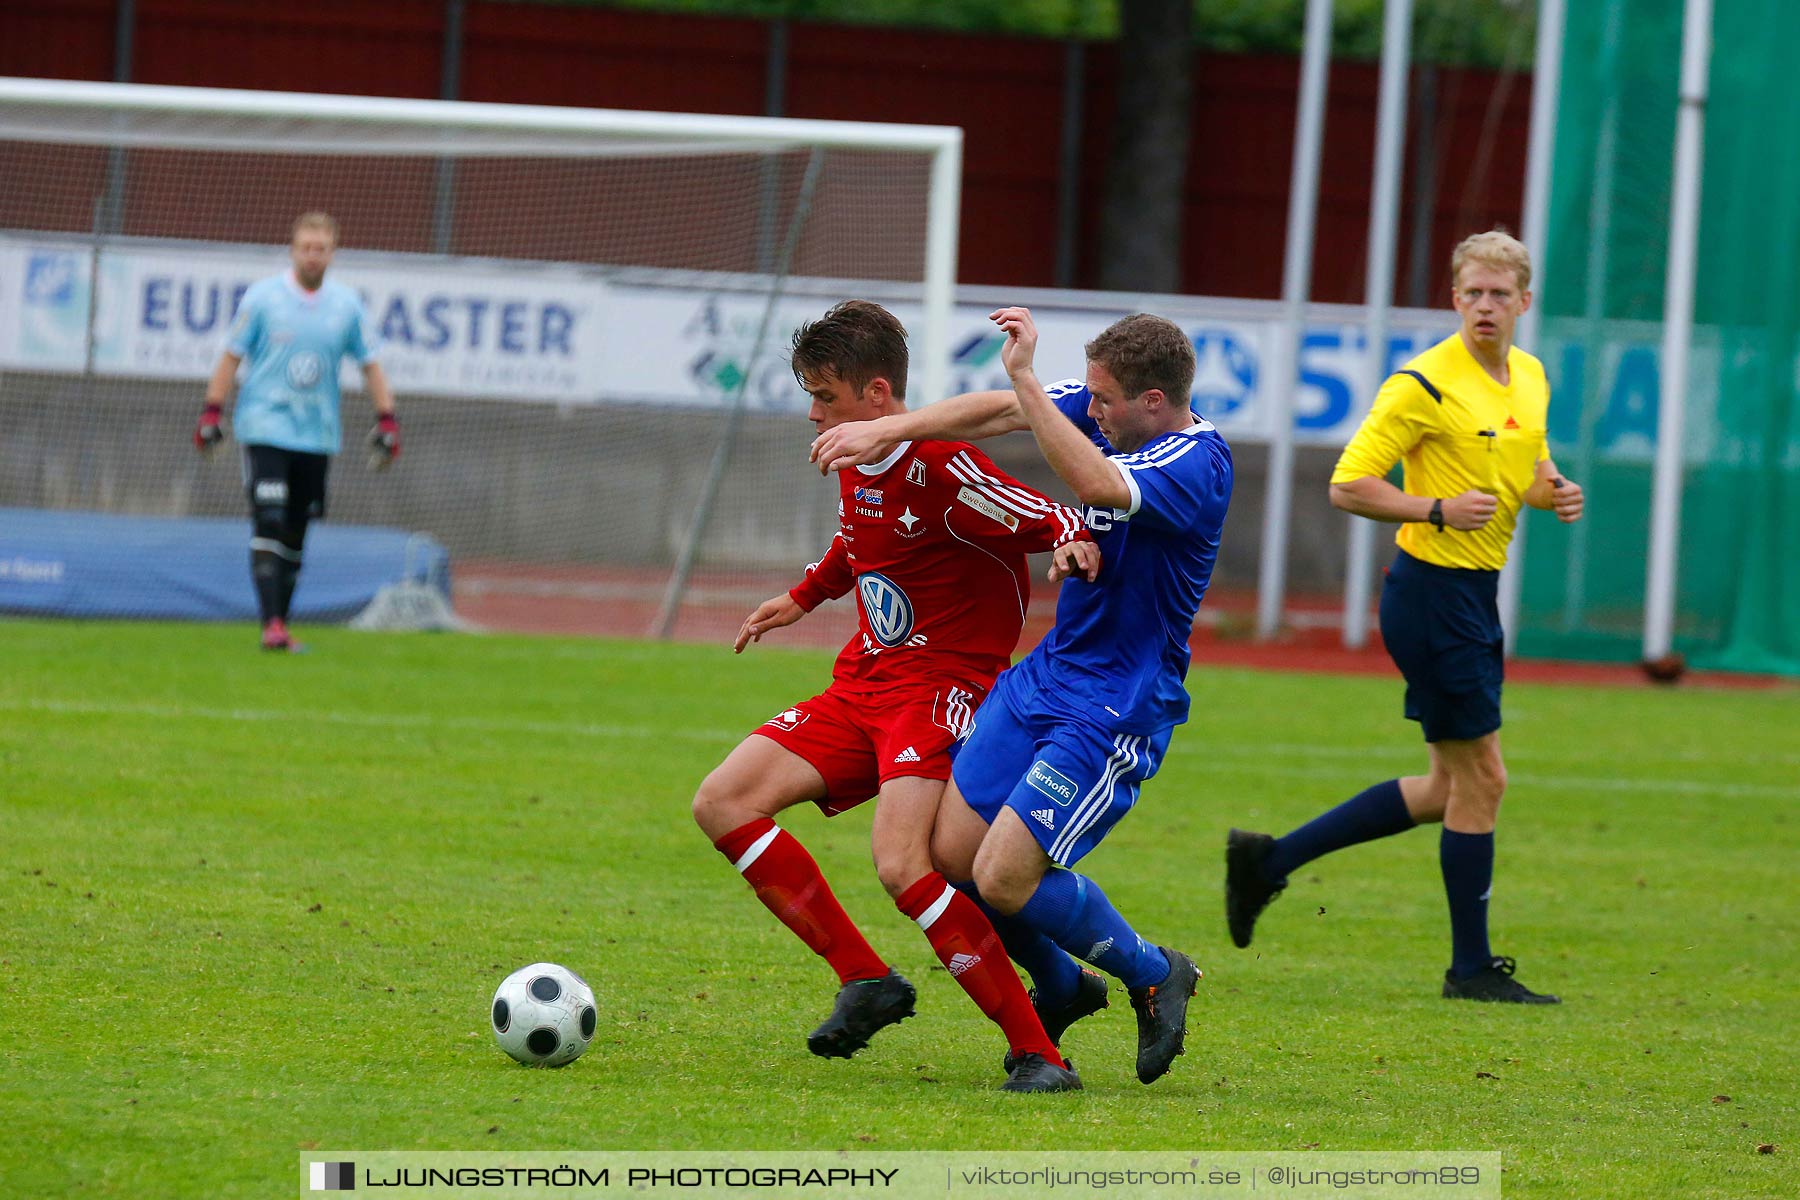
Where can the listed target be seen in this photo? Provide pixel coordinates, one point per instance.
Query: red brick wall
(1005, 92)
(57, 39)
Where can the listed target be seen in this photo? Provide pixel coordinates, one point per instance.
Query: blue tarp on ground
(88, 564)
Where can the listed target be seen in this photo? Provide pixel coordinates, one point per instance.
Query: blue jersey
(293, 342)
(1118, 653)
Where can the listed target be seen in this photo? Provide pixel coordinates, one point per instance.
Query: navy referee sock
(1375, 812)
(1467, 861)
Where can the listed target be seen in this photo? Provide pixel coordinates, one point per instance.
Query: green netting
(1738, 602)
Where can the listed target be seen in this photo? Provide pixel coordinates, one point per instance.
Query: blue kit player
(1068, 735)
(294, 330)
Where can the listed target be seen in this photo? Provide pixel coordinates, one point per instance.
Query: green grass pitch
(253, 905)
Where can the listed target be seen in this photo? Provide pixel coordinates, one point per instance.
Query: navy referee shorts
(1441, 626)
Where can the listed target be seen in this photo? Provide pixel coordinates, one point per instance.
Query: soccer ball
(543, 1015)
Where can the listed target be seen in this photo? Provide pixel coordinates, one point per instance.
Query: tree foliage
(1488, 33)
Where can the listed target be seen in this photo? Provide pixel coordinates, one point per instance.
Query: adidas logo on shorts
(1045, 817)
(907, 755)
(962, 962)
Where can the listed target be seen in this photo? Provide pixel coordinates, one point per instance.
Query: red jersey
(934, 538)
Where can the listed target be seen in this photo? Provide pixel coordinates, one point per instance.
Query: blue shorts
(1441, 626)
(1068, 780)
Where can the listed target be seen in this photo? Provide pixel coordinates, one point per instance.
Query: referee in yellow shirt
(1467, 417)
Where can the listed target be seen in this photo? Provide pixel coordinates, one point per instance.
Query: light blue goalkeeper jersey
(293, 343)
(1118, 653)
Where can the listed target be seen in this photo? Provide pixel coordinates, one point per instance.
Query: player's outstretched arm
(1077, 461)
(965, 418)
(772, 613)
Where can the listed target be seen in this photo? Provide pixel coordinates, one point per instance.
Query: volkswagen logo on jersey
(890, 613)
(305, 369)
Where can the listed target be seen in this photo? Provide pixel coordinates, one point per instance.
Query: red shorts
(858, 740)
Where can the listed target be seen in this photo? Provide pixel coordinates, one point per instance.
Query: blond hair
(1496, 248)
(317, 220)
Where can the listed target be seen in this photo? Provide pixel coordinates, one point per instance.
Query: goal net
(584, 314)
(1738, 585)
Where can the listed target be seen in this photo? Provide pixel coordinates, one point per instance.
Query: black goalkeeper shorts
(292, 480)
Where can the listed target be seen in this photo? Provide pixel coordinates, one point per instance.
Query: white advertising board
(562, 334)
(498, 331)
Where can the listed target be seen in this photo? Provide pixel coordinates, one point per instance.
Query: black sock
(1375, 812)
(287, 575)
(1467, 861)
(266, 573)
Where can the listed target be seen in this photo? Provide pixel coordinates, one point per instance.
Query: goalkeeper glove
(384, 442)
(207, 433)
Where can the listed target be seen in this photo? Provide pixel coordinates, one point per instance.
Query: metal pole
(1384, 224)
(124, 39)
(768, 170)
(1068, 167)
(942, 215)
(112, 218)
(1422, 272)
(1678, 329)
(1296, 281)
(709, 490)
(1546, 89)
(775, 69)
(443, 201)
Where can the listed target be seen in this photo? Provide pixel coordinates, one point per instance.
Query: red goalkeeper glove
(207, 433)
(384, 442)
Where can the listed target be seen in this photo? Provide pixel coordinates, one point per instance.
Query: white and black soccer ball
(543, 1015)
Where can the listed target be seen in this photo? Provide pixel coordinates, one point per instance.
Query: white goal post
(584, 313)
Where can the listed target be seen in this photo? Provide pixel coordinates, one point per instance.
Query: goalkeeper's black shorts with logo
(291, 481)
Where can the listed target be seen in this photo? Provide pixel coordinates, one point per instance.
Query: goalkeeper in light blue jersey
(293, 331)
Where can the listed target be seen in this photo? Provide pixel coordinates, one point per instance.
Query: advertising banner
(563, 334)
(681, 345)
(510, 332)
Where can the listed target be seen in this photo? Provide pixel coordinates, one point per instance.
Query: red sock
(788, 882)
(967, 944)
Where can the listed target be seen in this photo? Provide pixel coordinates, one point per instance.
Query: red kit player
(933, 540)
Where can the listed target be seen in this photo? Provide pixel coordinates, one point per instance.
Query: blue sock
(1076, 915)
(1053, 973)
(1467, 860)
(1375, 812)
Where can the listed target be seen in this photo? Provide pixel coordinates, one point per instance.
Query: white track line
(1256, 756)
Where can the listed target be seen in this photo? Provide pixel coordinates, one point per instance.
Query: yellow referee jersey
(1472, 433)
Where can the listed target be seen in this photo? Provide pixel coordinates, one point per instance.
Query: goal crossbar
(631, 267)
(387, 125)
(444, 117)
